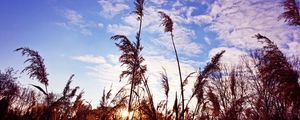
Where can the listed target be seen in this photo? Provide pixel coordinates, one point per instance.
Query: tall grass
(168, 24)
(165, 85)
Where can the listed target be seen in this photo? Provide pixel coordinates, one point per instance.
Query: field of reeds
(265, 87)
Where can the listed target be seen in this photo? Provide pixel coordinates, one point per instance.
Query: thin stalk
(195, 111)
(166, 114)
(179, 71)
(130, 96)
(186, 106)
(176, 110)
(47, 96)
(139, 33)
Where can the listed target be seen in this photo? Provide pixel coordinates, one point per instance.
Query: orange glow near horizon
(125, 114)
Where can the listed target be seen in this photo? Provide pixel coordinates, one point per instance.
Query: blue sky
(73, 36)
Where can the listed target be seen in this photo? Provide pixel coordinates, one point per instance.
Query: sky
(73, 37)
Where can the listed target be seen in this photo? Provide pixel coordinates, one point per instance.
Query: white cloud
(120, 29)
(237, 21)
(159, 2)
(293, 49)
(73, 17)
(188, 14)
(75, 21)
(90, 59)
(183, 36)
(202, 19)
(114, 59)
(100, 25)
(207, 40)
(110, 8)
(177, 4)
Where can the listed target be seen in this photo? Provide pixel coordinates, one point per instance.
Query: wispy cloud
(177, 4)
(184, 36)
(207, 40)
(237, 21)
(159, 2)
(293, 49)
(120, 29)
(90, 59)
(75, 21)
(100, 25)
(110, 8)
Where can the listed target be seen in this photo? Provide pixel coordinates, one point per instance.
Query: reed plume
(105, 97)
(167, 22)
(36, 69)
(291, 14)
(165, 84)
(198, 90)
(139, 7)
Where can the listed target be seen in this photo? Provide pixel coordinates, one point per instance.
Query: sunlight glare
(125, 114)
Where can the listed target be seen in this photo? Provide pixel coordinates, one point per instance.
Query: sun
(125, 114)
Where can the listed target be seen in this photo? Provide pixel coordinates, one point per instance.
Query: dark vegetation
(265, 87)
